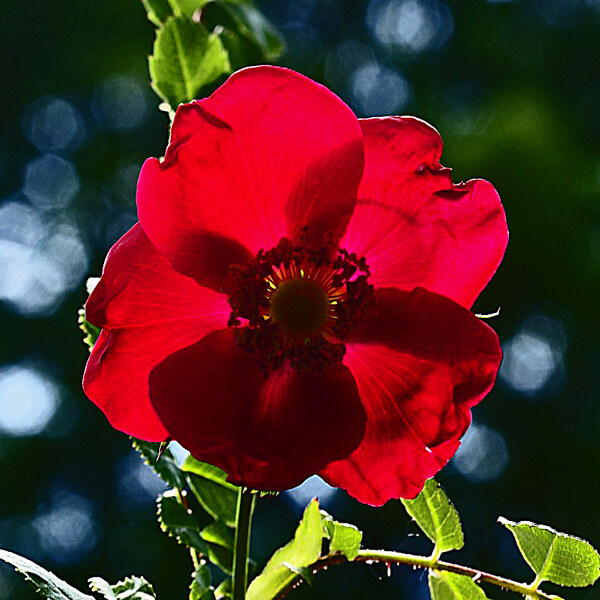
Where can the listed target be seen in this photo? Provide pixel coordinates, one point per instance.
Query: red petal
(420, 365)
(413, 225)
(267, 154)
(140, 287)
(267, 434)
(148, 310)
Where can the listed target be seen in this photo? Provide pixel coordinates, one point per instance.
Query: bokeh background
(514, 88)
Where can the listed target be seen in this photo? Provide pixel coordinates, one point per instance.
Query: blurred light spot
(463, 109)
(53, 124)
(483, 454)
(558, 12)
(379, 90)
(125, 181)
(7, 583)
(313, 487)
(342, 62)
(413, 26)
(137, 482)
(120, 103)
(41, 260)
(534, 356)
(67, 530)
(28, 400)
(51, 181)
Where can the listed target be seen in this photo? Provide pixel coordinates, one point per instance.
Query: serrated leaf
(131, 588)
(451, 586)
(91, 332)
(437, 517)
(44, 582)
(158, 11)
(556, 557)
(343, 537)
(200, 588)
(186, 58)
(180, 523)
(165, 466)
(219, 544)
(301, 552)
(214, 493)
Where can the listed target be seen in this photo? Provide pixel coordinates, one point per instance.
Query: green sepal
(178, 522)
(217, 496)
(301, 552)
(556, 557)
(437, 517)
(131, 588)
(164, 465)
(219, 544)
(186, 57)
(45, 583)
(343, 537)
(451, 586)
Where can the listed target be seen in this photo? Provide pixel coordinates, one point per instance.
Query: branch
(424, 562)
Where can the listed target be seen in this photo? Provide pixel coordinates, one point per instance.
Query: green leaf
(165, 466)
(301, 552)
(45, 583)
(556, 557)
(91, 331)
(186, 57)
(253, 25)
(208, 483)
(200, 588)
(437, 517)
(220, 545)
(450, 586)
(158, 11)
(178, 522)
(224, 590)
(131, 588)
(343, 537)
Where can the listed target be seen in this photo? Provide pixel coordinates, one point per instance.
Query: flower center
(300, 307)
(296, 304)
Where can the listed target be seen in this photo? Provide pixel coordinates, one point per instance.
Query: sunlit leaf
(180, 523)
(91, 332)
(437, 517)
(131, 588)
(450, 586)
(219, 543)
(215, 494)
(46, 584)
(224, 590)
(301, 552)
(557, 557)
(343, 537)
(165, 466)
(186, 58)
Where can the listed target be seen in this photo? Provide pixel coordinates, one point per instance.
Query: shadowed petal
(269, 153)
(414, 226)
(266, 433)
(420, 364)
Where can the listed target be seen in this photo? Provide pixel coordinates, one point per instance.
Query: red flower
(295, 297)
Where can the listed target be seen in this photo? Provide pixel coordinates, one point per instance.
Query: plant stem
(424, 562)
(243, 520)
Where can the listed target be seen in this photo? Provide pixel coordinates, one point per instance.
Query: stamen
(298, 304)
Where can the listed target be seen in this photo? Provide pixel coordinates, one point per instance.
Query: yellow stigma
(300, 307)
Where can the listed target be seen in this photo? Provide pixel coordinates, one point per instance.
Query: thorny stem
(243, 521)
(424, 562)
